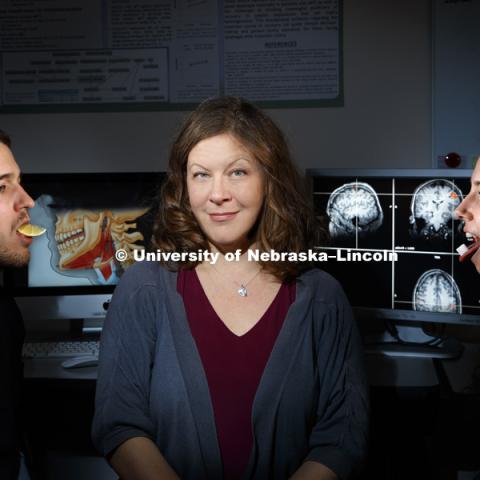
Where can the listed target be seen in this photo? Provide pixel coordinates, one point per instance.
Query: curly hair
(286, 222)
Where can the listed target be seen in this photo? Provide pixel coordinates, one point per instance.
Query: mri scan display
(353, 209)
(432, 209)
(412, 217)
(437, 291)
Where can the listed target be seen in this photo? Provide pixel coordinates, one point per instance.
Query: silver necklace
(242, 290)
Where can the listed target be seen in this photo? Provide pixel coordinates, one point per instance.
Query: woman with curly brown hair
(231, 368)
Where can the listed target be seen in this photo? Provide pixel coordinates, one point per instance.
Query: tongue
(471, 250)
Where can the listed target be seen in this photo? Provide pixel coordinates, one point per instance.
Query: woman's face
(226, 191)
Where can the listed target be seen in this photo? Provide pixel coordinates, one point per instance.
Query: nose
(24, 199)
(462, 212)
(220, 191)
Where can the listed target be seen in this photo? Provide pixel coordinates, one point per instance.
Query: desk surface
(381, 371)
(49, 368)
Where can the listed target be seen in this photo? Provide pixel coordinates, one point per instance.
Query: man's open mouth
(466, 251)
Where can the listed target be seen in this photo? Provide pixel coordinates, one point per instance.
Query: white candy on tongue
(466, 252)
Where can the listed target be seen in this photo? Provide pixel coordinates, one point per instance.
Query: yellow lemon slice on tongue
(30, 230)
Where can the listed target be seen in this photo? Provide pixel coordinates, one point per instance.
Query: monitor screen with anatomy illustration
(394, 234)
(89, 219)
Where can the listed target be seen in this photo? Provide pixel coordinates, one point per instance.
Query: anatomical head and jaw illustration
(81, 242)
(88, 239)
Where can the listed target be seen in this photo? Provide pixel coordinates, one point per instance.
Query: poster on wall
(168, 54)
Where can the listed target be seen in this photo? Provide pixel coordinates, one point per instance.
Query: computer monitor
(73, 267)
(393, 240)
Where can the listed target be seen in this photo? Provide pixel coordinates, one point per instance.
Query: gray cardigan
(311, 403)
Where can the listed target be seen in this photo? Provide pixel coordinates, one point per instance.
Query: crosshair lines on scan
(354, 211)
(432, 210)
(437, 291)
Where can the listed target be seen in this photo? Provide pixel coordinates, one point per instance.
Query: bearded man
(14, 205)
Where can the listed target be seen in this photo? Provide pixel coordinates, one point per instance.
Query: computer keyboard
(60, 349)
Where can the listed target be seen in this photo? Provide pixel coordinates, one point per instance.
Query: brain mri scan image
(432, 210)
(437, 291)
(354, 209)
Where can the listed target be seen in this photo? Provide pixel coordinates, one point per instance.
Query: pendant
(242, 291)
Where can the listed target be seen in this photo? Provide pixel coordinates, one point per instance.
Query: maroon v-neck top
(233, 365)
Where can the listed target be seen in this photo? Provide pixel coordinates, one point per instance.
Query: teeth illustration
(80, 234)
(69, 239)
(469, 236)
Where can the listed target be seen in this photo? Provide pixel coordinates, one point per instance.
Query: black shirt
(12, 333)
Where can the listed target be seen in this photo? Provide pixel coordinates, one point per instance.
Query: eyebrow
(228, 166)
(6, 176)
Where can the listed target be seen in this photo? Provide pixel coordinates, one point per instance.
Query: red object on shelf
(452, 160)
